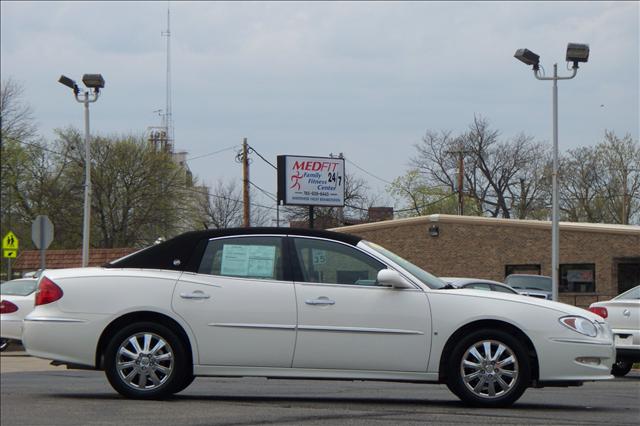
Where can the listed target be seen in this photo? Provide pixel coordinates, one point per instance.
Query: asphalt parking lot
(35, 393)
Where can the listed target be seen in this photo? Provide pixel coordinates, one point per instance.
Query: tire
(489, 368)
(147, 360)
(4, 344)
(187, 379)
(621, 367)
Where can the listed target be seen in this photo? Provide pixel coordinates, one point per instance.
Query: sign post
(42, 235)
(10, 245)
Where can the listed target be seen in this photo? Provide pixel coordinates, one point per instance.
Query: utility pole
(460, 178)
(245, 183)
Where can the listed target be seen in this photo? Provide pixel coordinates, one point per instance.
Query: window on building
(577, 278)
(521, 269)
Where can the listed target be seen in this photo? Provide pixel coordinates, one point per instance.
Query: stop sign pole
(42, 235)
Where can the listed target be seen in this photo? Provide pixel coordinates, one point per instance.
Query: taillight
(7, 307)
(47, 292)
(599, 311)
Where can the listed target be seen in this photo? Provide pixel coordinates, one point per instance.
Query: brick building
(597, 261)
(29, 260)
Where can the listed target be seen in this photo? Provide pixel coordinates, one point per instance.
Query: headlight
(581, 325)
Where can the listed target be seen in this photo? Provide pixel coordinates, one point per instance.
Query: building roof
(29, 260)
(491, 221)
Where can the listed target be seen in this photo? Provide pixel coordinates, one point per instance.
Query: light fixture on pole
(576, 53)
(93, 82)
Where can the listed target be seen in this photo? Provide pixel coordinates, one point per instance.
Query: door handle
(320, 301)
(196, 295)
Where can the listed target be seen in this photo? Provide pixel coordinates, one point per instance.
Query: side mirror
(388, 277)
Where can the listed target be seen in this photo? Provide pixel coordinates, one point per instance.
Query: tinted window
(530, 282)
(504, 289)
(18, 287)
(578, 278)
(245, 257)
(334, 263)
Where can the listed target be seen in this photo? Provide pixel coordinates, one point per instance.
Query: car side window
(244, 257)
(334, 263)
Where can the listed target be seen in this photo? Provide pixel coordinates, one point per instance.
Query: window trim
(287, 275)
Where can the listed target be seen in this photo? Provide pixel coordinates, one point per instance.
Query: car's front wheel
(488, 368)
(146, 361)
(621, 368)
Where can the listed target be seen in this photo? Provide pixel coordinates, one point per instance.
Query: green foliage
(418, 198)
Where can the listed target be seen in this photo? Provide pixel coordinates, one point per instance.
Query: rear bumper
(69, 340)
(11, 329)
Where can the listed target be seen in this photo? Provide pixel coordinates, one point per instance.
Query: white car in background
(16, 301)
(479, 284)
(623, 315)
(301, 303)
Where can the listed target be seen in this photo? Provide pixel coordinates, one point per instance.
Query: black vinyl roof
(182, 252)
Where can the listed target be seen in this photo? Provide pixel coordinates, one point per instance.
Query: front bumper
(576, 359)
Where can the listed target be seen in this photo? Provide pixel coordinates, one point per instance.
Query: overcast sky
(311, 78)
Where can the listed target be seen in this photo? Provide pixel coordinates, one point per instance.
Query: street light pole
(575, 53)
(555, 209)
(95, 82)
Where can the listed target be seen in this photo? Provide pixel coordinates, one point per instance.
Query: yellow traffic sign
(10, 254)
(10, 242)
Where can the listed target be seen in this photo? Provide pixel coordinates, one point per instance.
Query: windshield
(427, 279)
(530, 283)
(18, 287)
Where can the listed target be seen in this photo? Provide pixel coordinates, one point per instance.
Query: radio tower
(168, 118)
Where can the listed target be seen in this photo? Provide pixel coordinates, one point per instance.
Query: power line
(213, 153)
(268, 194)
(370, 174)
(263, 159)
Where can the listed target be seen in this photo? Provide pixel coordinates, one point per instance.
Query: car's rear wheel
(146, 361)
(489, 368)
(4, 344)
(621, 368)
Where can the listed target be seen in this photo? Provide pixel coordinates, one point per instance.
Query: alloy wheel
(489, 369)
(144, 361)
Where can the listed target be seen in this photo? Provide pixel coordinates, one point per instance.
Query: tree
(602, 183)
(138, 194)
(503, 177)
(417, 198)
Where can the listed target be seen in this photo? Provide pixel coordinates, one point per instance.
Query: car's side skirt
(308, 373)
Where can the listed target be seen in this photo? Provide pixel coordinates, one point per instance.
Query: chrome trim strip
(584, 342)
(357, 330)
(53, 319)
(262, 326)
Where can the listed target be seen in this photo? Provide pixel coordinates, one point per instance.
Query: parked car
(623, 315)
(16, 301)
(539, 286)
(479, 284)
(299, 303)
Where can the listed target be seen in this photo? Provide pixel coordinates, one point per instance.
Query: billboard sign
(311, 181)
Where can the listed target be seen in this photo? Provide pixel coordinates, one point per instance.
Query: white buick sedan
(291, 303)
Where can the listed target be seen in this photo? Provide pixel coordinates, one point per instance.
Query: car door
(346, 320)
(240, 304)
